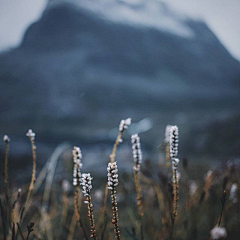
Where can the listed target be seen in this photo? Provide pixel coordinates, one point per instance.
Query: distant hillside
(83, 67)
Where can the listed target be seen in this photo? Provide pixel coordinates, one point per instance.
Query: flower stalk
(6, 139)
(31, 135)
(124, 124)
(86, 182)
(77, 161)
(173, 148)
(112, 183)
(137, 157)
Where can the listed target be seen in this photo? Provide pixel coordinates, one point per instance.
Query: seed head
(86, 182)
(218, 232)
(6, 139)
(137, 152)
(174, 142)
(112, 175)
(31, 134)
(77, 158)
(124, 124)
(175, 162)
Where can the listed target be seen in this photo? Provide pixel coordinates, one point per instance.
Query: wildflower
(173, 141)
(112, 175)
(86, 182)
(137, 152)
(6, 139)
(137, 157)
(175, 162)
(112, 183)
(233, 193)
(218, 232)
(124, 124)
(77, 157)
(31, 134)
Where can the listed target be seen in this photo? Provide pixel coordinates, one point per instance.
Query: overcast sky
(222, 16)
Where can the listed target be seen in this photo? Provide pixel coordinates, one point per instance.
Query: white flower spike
(77, 158)
(6, 139)
(174, 142)
(112, 175)
(124, 124)
(31, 134)
(137, 152)
(86, 182)
(218, 232)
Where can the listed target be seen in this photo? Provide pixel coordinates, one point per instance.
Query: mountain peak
(141, 13)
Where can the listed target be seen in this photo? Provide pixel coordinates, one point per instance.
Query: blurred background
(71, 70)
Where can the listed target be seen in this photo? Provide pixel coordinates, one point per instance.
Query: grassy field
(156, 200)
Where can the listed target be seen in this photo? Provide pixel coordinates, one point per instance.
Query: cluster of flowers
(174, 146)
(124, 124)
(137, 152)
(6, 139)
(77, 157)
(112, 175)
(86, 182)
(173, 141)
(31, 134)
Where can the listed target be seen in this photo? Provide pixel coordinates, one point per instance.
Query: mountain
(86, 64)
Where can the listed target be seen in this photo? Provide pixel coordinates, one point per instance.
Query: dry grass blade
(50, 173)
(31, 136)
(8, 213)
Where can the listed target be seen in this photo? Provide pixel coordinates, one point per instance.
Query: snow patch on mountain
(143, 13)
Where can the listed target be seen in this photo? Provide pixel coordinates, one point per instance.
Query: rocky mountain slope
(85, 65)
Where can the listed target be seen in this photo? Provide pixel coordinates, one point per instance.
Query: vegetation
(169, 200)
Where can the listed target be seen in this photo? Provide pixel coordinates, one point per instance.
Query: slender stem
(175, 192)
(112, 159)
(115, 213)
(7, 182)
(113, 155)
(76, 204)
(91, 217)
(33, 179)
(139, 200)
(175, 201)
(223, 201)
(220, 219)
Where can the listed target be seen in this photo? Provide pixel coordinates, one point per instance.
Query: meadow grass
(155, 202)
